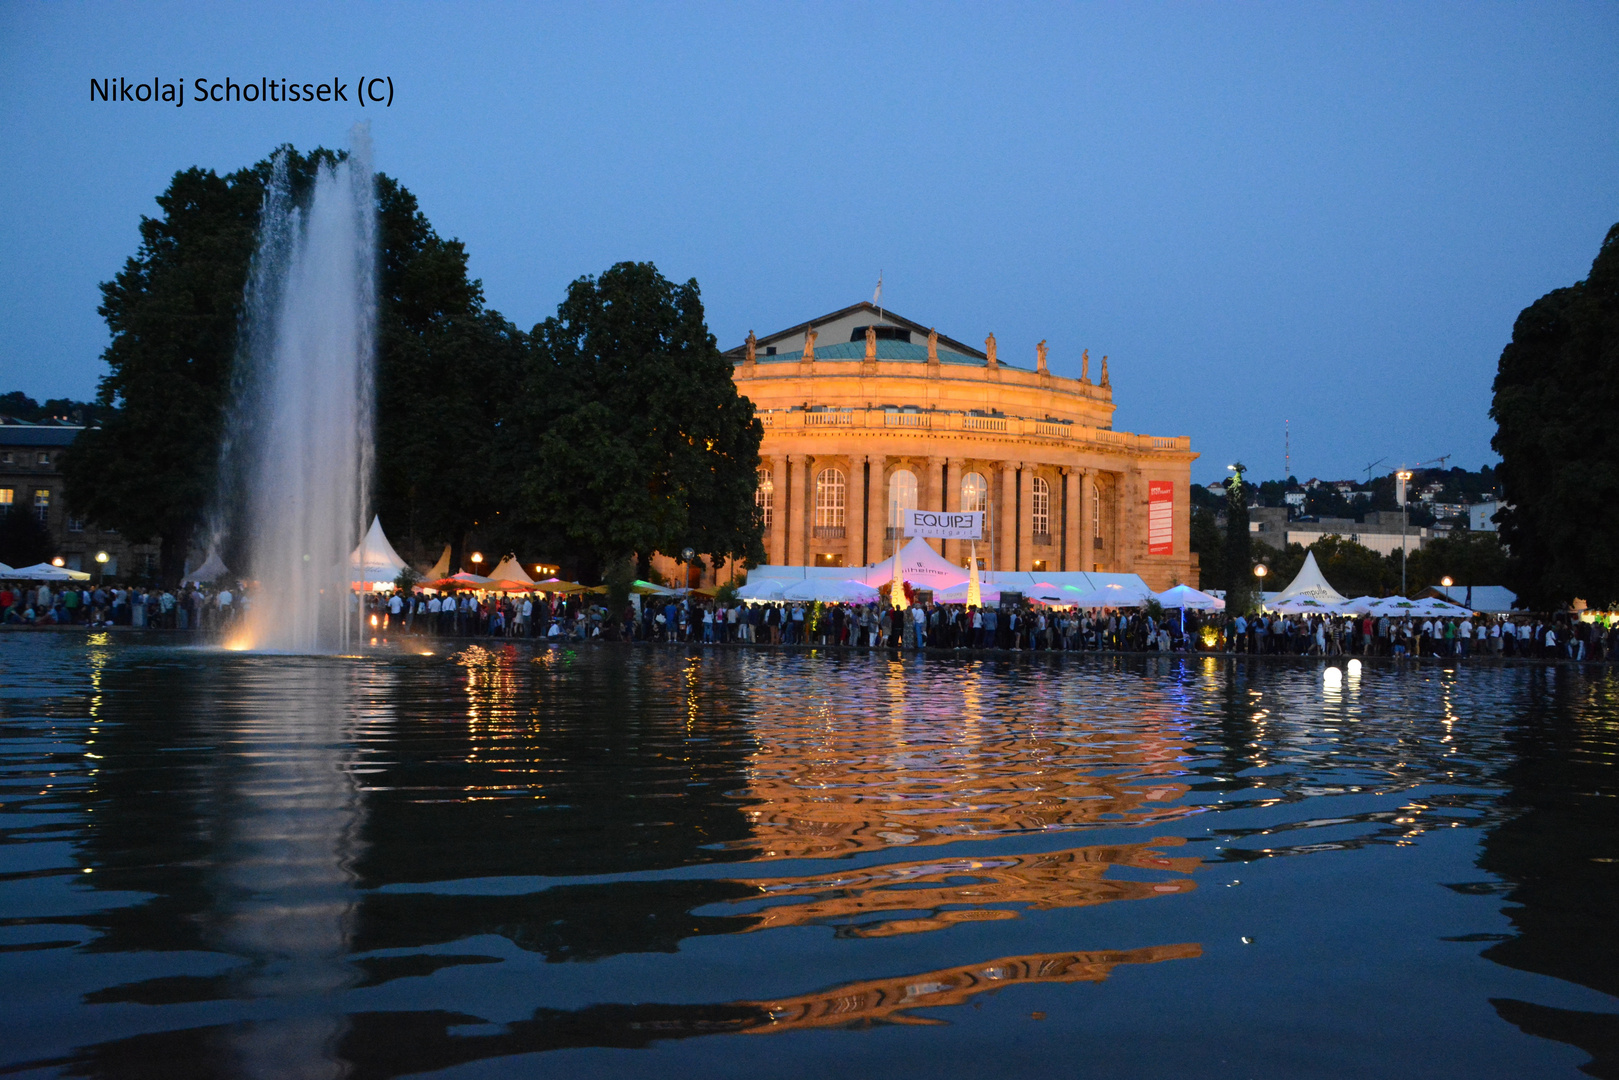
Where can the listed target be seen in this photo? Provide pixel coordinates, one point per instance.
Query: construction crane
(1372, 466)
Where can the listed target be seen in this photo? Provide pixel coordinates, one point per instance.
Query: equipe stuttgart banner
(1160, 517)
(958, 525)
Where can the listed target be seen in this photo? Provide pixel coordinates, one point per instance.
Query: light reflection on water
(316, 867)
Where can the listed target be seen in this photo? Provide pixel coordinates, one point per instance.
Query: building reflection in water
(932, 770)
(945, 892)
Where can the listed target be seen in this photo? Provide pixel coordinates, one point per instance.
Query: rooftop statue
(1085, 366)
(989, 350)
(871, 343)
(809, 344)
(1040, 356)
(1104, 372)
(753, 344)
(933, 346)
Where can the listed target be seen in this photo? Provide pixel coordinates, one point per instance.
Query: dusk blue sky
(1324, 214)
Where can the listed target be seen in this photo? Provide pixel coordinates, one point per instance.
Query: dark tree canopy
(172, 312)
(1557, 413)
(633, 437)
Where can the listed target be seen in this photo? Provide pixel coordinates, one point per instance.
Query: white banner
(957, 525)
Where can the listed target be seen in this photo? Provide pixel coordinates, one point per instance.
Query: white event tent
(1184, 596)
(509, 569)
(375, 561)
(212, 569)
(46, 572)
(1310, 583)
(925, 568)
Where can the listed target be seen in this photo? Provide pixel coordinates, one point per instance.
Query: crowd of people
(190, 607)
(580, 617)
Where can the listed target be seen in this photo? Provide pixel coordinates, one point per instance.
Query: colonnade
(1078, 495)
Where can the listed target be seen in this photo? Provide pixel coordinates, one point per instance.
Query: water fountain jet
(302, 421)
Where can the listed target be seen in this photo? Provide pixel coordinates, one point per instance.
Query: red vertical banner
(1160, 517)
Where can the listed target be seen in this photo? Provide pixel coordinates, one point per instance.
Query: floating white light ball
(1333, 676)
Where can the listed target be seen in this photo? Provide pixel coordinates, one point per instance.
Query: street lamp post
(101, 565)
(1259, 572)
(1401, 479)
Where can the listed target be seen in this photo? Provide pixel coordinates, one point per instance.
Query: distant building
(1481, 516)
(31, 481)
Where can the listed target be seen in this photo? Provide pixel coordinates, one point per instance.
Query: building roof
(13, 433)
(880, 315)
(887, 349)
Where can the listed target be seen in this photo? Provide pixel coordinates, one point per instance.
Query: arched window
(829, 492)
(1096, 511)
(1040, 509)
(764, 496)
(974, 493)
(901, 495)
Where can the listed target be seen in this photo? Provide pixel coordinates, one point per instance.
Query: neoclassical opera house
(866, 413)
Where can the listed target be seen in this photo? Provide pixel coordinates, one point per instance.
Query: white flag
(877, 296)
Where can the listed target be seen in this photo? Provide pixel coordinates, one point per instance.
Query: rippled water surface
(637, 862)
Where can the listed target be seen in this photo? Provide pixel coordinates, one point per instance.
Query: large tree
(448, 372)
(151, 468)
(1557, 413)
(148, 470)
(633, 438)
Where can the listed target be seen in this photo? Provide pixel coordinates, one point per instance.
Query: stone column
(1006, 518)
(877, 511)
(954, 550)
(934, 499)
(1025, 517)
(855, 534)
(1073, 554)
(779, 509)
(1087, 520)
(796, 518)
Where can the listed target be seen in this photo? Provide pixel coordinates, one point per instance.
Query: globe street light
(1259, 572)
(1446, 581)
(101, 564)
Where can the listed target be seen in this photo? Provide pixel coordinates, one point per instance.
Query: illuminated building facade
(867, 413)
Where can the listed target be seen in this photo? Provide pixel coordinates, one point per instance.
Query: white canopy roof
(46, 572)
(831, 592)
(1309, 582)
(1113, 595)
(212, 569)
(375, 559)
(1184, 596)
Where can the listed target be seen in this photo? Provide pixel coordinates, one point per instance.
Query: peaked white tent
(441, 569)
(375, 560)
(510, 570)
(1309, 582)
(212, 569)
(920, 565)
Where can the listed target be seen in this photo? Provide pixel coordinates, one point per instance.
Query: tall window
(901, 495)
(42, 503)
(974, 493)
(1096, 510)
(829, 493)
(1040, 507)
(7, 496)
(764, 496)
